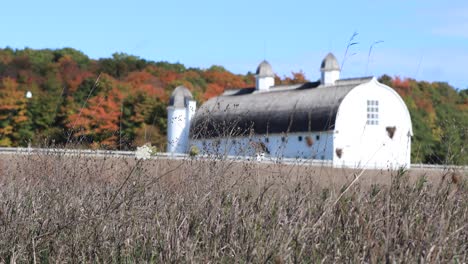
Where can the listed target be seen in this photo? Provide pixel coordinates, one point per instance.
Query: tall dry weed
(57, 208)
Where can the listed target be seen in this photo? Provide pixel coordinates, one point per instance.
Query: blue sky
(426, 40)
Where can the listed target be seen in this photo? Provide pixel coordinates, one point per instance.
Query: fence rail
(164, 155)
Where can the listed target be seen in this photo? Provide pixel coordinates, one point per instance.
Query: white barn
(355, 122)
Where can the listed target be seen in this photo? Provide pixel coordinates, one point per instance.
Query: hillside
(120, 102)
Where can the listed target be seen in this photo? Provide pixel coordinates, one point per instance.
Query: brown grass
(57, 208)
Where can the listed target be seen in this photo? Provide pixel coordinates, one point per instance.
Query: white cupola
(180, 112)
(265, 77)
(330, 70)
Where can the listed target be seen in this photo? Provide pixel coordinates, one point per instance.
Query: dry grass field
(56, 208)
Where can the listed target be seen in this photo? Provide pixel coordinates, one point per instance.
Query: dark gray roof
(180, 97)
(284, 109)
(265, 70)
(329, 63)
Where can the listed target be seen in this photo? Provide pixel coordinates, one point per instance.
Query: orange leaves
(147, 84)
(71, 74)
(404, 84)
(424, 104)
(297, 77)
(138, 78)
(224, 79)
(100, 118)
(212, 90)
(12, 111)
(166, 76)
(401, 86)
(10, 97)
(218, 80)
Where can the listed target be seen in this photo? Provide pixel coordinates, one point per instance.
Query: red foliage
(219, 81)
(297, 77)
(165, 76)
(212, 90)
(225, 79)
(401, 86)
(71, 74)
(100, 118)
(425, 104)
(148, 84)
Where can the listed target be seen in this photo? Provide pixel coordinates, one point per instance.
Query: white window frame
(372, 112)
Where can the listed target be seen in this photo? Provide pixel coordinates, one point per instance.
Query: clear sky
(426, 40)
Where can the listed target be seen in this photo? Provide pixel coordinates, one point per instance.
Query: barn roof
(284, 109)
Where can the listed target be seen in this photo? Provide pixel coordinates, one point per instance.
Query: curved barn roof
(285, 109)
(179, 97)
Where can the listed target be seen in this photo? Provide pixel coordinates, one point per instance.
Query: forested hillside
(120, 102)
(440, 120)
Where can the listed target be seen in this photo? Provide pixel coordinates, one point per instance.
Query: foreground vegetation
(120, 102)
(75, 209)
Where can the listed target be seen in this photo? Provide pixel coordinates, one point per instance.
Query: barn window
(372, 112)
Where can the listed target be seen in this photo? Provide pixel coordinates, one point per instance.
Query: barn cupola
(265, 77)
(180, 112)
(330, 70)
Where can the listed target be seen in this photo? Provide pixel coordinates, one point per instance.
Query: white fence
(163, 155)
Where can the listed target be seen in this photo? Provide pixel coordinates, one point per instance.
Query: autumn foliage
(13, 113)
(439, 115)
(120, 102)
(111, 103)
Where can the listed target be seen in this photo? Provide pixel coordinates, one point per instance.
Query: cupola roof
(265, 70)
(180, 96)
(329, 63)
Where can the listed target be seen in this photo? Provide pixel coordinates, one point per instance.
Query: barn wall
(370, 145)
(318, 145)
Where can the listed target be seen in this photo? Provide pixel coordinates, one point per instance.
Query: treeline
(120, 102)
(114, 103)
(439, 114)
